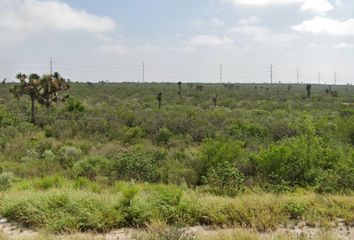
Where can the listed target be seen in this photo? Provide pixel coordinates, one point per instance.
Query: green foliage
(133, 134)
(68, 156)
(6, 180)
(221, 149)
(43, 90)
(224, 179)
(306, 161)
(5, 118)
(74, 105)
(163, 136)
(295, 210)
(64, 209)
(92, 167)
(115, 131)
(137, 165)
(49, 182)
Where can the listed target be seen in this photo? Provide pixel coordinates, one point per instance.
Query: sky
(309, 41)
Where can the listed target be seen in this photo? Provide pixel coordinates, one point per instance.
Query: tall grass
(65, 209)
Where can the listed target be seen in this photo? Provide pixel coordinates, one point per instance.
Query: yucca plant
(180, 89)
(159, 98)
(215, 100)
(44, 90)
(308, 89)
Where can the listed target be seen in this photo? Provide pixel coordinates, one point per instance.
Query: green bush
(295, 210)
(139, 165)
(74, 105)
(68, 156)
(219, 150)
(225, 179)
(6, 180)
(49, 182)
(132, 134)
(306, 161)
(163, 136)
(92, 167)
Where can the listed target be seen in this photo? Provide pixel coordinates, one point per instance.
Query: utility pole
(221, 73)
(271, 73)
(51, 66)
(335, 78)
(319, 77)
(143, 72)
(298, 75)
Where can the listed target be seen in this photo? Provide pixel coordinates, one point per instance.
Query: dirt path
(339, 231)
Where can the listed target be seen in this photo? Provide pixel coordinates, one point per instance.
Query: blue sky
(179, 40)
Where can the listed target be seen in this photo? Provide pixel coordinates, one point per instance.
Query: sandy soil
(338, 230)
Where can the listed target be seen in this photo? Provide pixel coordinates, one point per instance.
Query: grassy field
(68, 208)
(252, 156)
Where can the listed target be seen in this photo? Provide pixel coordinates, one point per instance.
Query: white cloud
(120, 48)
(249, 21)
(114, 49)
(343, 45)
(147, 48)
(264, 35)
(315, 6)
(184, 49)
(211, 22)
(19, 18)
(209, 40)
(322, 25)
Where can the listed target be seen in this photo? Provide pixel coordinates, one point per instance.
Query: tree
(43, 90)
(308, 88)
(215, 100)
(159, 98)
(50, 86)
(3, 81)
(30, 88)
(289, 88)
(180, 89)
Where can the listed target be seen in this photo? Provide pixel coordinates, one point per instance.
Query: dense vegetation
(201, 139)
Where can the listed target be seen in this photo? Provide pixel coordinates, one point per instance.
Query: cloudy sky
(179, 40)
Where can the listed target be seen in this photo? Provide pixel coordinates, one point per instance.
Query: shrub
(68, 155)
(74, 105)
(137, 165)
(219, 150)
(163, 136)
(304, 161)
(91, 167)
(6, 180)
(224, 179)
(49, 182)
(131, 135)
(295, 210)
